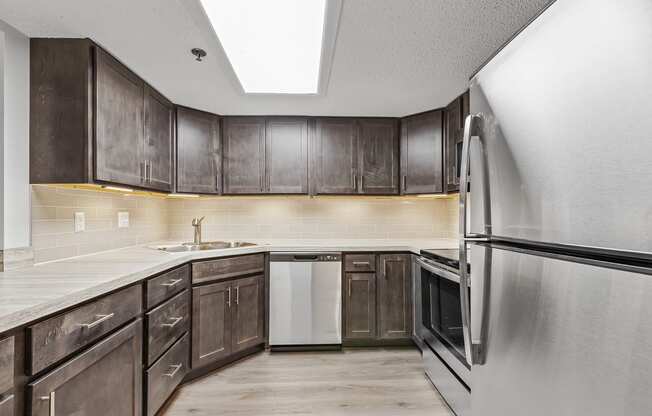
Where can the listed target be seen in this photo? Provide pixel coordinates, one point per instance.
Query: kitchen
(325, 207)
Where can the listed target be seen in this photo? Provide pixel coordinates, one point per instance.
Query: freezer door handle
(473, 347)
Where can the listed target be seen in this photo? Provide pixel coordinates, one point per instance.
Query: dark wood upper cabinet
(286, 155)
(60, 126)
(92, 120)
(379, 156)
(453, 136)
(394, 296)
(244, 155)
(119, 122)
(198, 152)
(336, 156)
(265, 155)
(159, 140)
(422, 153)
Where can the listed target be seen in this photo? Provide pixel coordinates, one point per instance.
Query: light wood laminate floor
(378, 382)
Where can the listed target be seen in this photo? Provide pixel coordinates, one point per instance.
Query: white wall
(14, 139)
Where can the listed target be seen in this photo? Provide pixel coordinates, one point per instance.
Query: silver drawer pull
(172, 282)
(174, 322)
(361, 263)
(176, 367)
(51, 399)
(101, 318)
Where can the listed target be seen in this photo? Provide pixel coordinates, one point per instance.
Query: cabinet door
(104, 380)
(198, 152)
(360, 305)
(159, 116)
(119, 126)
(379, 168)
(394, 301)
(249, 313)
(336, 156)
(244, 155)
(211, 323)
(421, 152)
(453, 143)
(286, 156)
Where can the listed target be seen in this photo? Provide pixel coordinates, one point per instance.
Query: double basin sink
(209, 245)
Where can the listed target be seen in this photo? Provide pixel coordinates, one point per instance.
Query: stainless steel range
(438, 326)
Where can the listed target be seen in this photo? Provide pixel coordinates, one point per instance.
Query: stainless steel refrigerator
(559, 145)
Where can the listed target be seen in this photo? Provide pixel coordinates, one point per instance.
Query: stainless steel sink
(209, 245)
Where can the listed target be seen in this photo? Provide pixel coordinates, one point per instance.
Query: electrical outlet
(123, 219)
(80, 222)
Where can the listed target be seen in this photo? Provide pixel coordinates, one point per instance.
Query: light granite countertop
(31, 293)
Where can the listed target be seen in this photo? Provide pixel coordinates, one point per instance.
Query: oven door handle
(438, 271)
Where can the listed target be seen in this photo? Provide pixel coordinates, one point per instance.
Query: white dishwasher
(305, 301)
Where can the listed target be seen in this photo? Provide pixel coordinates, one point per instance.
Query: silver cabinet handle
(101, 318)
(8, 399)
(404, 183)
(237, 295)
(172, 282)
(174, 322)
(228, 299)
(362, 182)
(349, 287)
(176, 367)
(361, 263)
(51, 398)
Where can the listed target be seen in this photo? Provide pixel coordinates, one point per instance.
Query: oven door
(441, 316)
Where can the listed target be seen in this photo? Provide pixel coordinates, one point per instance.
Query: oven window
(441, 310)
(450, 325)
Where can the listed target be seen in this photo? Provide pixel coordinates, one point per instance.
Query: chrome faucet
(196, 223)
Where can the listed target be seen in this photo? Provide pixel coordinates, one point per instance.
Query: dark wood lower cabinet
(228, 317)
(360, 305)
(394, 300)
(211, 323)
(377, 300)
(248, 318)
(166, 374)
(104, 380)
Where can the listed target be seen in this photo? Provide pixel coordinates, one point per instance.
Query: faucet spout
(196, 223)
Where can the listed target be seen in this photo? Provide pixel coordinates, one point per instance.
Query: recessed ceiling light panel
(274, 47)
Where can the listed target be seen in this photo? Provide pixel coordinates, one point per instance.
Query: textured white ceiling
(392, 57)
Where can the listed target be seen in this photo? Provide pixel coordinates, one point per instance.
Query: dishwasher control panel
(308, 257)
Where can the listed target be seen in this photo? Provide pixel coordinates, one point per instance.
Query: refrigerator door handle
(472, 128)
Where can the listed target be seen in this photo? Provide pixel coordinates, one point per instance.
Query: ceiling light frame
(332, 13)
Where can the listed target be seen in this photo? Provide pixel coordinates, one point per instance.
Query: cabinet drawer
(6, 364)
(166, 374)
(59, 336)
(212, 270)
(166, 324)
(360, 262)
(7, 406)
(167, 285)
(105, 379)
